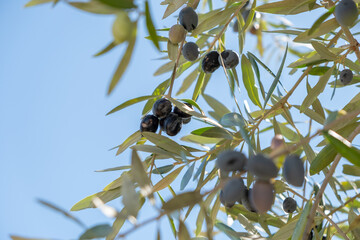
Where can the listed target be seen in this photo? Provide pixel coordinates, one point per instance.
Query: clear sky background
(53, 129)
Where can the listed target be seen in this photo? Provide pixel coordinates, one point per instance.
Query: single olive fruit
(190, 51)
(293, 170)
(149, 123)
(186, 120)
(231, 161)
(162, 108)
(188, 18)
(277, 141)
(181, 113)
(262, 167)
(177, 34)
(230, 58)
(172, 124)
(223, 202)
(262, 196)
(346, 12)
(346, 76)
(210, 62)
(233, 190)
(289, 205)
(245, 200)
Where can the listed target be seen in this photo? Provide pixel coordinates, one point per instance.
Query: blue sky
(53, 129)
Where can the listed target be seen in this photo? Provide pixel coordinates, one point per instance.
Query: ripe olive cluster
(170, 122)
(213, 60)
(346, 13)
(188, 21)
(261, 196)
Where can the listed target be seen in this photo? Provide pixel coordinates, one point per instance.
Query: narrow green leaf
(119, 4)
(118, 223)
(114, 169)
(109, 47)
(276, 80)
(131, 102)
(213, 132)
(173, 6)
(188, 81)
(227, 230)
(322, 159)
(187, 176)
(182, 200)
(98, 231)
(249, 81)
(94, 7)
(343, 147)
(320, 20)
(150, 26)
(183, 232)
(351, 170)
(163, 169)
(219, 108)
(158, 91)
(130, 198)
(124, 61)
(166, 181)
(105, 196)
(133, 138)
(199, 85)
(323, 51)
(37, 2)
(139, 174)
(316, 90)
(165, 143)
(301, 224)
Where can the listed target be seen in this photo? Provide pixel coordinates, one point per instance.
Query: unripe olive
(149, 123)
(293, 170)
(210, 62)
(289, 205)
(230, 59)
(162, 108)
(231, 161)
(191, 51)
(262, 196)
(172, 124)
(181, 113)
(346, 76)
(245, 200)
(262, 167)
(346, 12)
(277, 141)
(233, 190)
(122, 27)
(188, 18)
(177, 34)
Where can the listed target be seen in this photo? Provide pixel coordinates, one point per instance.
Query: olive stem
(346, 203)
(353, 43)
(341, 232)
(212, 44)
(323, 186)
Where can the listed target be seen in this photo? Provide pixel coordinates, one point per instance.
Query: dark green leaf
(199, 85)
(37, 2)
(322, 159)
(163, 169)
(150, 26)
(106, 49)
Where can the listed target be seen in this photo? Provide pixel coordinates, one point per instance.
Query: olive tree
(284, 188)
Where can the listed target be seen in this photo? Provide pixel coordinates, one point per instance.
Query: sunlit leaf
(182, 200)
(98, 231)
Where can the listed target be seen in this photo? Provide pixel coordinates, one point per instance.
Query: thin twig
(172, 79)
(323, 186)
